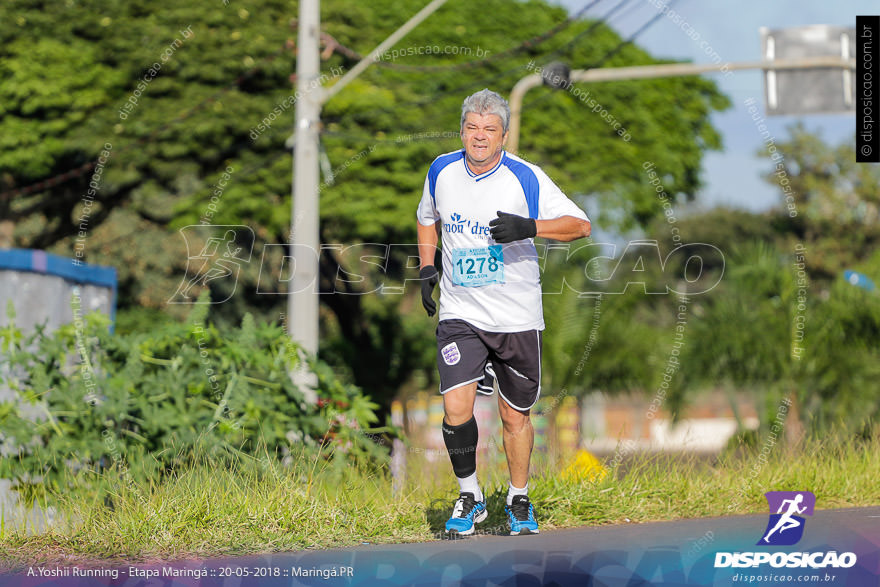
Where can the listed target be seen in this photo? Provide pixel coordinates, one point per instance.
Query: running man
(487, 205)
(786, 521)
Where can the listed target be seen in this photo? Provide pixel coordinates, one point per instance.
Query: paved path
(663, 553)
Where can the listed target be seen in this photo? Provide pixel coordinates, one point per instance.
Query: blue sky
(732, 177)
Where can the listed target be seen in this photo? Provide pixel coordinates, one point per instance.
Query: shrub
(85, 398)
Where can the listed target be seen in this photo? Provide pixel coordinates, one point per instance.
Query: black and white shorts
(467, 354)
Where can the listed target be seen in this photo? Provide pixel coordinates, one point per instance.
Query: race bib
(477, 267)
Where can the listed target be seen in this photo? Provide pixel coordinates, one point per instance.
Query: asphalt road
(681, 553)
(663, 553)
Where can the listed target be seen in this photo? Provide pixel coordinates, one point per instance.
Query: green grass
(250, 507)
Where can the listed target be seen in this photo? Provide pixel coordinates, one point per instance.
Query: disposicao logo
(785, 528)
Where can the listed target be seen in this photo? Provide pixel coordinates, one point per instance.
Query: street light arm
(516, 99)
(606, 74)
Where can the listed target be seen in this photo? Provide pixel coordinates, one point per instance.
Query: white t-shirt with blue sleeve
(495, 287)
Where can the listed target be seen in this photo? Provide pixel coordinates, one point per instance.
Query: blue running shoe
(521, 516)
(466, 512)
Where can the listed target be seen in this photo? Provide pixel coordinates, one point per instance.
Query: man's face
(482, 136)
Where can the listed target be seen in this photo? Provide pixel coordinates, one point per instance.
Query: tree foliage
(67, 74)
(781, 324)
(827, 200)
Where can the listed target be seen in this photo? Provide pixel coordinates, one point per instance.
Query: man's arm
(428, 274)
(564, 228)
(427, 236)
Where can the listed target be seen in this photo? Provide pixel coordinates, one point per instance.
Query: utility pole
(302, 299)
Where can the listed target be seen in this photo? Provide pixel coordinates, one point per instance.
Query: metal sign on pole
(812, 91)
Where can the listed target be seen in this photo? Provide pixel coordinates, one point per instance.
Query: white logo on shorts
(450, 353)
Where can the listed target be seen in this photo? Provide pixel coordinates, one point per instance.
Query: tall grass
(257, 505)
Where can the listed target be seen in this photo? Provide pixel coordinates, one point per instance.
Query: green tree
(604, 336)
(68, 73)
(743, 337)
(827, 201)
(769, 331)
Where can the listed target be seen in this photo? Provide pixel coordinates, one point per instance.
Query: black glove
(510, 227)
(429, 277)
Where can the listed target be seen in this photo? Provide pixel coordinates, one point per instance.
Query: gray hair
(486, 102)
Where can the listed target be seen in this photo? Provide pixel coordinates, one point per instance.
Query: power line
(598, 63)
(612, 52)
(415, 135)
(635, 35)
(604, 20)
(85, 168)
(488, 80)
(631, 10)
(527, 44)
(205, 192)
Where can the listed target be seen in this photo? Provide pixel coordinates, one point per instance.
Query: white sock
(516, 491)
(469, 484)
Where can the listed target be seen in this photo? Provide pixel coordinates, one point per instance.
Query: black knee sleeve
(461, 443)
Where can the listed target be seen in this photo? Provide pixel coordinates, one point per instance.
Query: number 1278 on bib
(478, 266)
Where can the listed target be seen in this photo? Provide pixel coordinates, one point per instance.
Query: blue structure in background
(858, 280)
(40, 286)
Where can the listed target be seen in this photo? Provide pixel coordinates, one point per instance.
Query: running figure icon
(222, 251)
(786, 521)
(213, 268)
